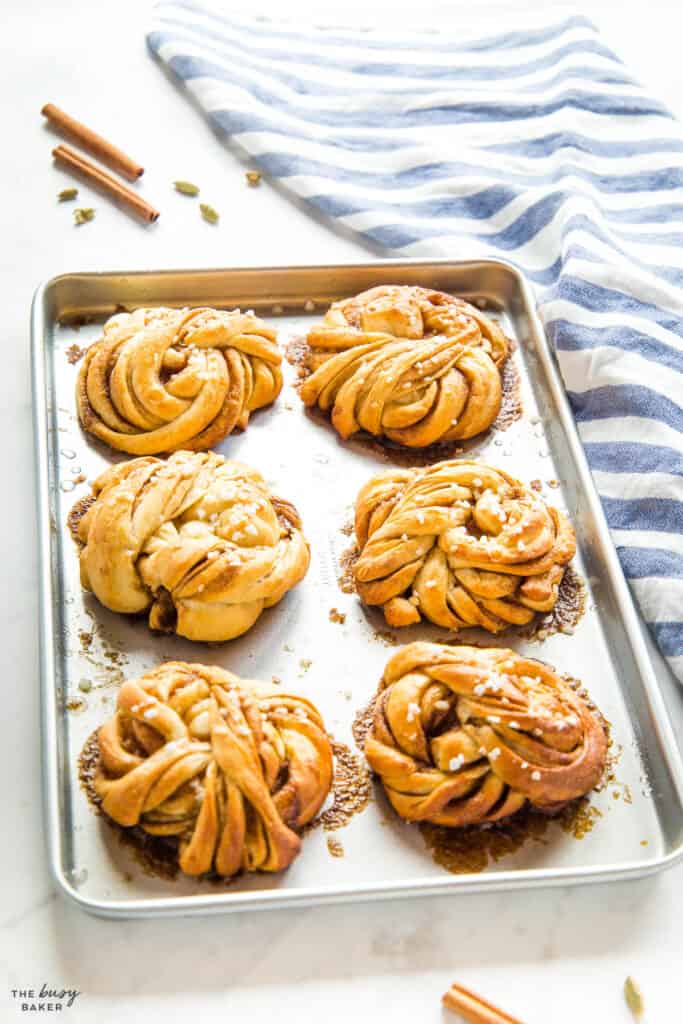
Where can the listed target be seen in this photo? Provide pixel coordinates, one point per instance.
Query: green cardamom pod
(634, 997)
(208, 213)
(66, 194)
(83, 214)
(186, 187)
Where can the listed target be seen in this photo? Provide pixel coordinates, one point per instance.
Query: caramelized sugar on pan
(472, 849)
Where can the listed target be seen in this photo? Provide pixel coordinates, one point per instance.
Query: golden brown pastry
(464, 735)
(461, 544)
(231, 768)
(196, 540)
(159, 380)
(410, 364)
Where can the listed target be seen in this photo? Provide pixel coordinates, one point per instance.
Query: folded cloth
(535, 144)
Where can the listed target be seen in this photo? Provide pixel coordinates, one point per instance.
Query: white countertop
(552, 957)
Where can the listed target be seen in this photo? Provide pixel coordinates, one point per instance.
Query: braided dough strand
(406, 363)
(229, 767)
(464, 735)
(461, 544)
(159, 380)
(195, 540)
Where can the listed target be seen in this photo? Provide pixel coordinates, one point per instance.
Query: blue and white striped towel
(535, 144)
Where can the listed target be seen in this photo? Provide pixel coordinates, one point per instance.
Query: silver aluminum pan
(307, 463)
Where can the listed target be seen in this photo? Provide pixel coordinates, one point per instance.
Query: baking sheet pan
(337, 665)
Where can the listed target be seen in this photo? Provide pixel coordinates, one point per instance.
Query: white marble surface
(551, 957)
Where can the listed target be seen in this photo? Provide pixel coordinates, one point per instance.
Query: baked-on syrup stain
(158, 855)
(362, 720)
(77, 513)
(620, 790)
(351, 790)
(511, 408)
(107, 663)
(86, 638)
(74, 354)
(296, 351)
(471, 849)
(565, 616)
(347, 560)
(386, 637)
(334, 847)
(76, 704)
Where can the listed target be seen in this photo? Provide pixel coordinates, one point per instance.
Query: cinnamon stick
(78, 164)
(474, 1009)
(92, 143)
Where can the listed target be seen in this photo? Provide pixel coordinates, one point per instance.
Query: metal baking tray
(336, 665)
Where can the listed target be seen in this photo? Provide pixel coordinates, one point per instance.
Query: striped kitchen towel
(535, 144)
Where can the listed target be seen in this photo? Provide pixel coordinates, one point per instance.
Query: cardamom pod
(186, 187)
(634, 997)
(83, 214)
(66, 194)
(208, 213)
(253, 177)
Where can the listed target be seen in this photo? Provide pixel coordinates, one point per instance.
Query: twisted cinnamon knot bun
(196, 540)
(462, 735)
(460, 543)
(229, 767)
(406, 363)
(163, 379)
